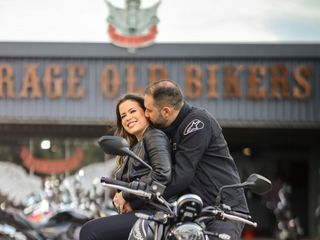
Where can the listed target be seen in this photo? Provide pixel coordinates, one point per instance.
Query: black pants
(119, 226)
(116, 227)
(232, 228)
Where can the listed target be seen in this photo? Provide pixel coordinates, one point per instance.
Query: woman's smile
(133, 118)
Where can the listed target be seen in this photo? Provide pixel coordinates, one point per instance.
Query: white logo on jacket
(193, 126)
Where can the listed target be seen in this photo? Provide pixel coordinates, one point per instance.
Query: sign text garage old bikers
(211, 81)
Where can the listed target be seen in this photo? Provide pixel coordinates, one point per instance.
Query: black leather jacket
(154, 149)
(201, 159)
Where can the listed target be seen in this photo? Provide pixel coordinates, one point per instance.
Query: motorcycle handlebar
(124, 186)
(209, 212)
(242, 215)
(239, 219)
(114, 182)
(227, 209)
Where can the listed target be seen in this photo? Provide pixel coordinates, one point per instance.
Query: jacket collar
(186, 108)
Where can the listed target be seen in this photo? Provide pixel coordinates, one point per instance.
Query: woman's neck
(139, 136)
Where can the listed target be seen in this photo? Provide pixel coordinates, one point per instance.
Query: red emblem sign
(132, 27)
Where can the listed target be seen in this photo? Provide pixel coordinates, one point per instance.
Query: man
(201, 159)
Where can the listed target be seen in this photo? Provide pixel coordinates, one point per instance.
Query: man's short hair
(166, 92)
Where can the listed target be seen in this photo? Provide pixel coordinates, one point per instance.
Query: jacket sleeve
(158, 150)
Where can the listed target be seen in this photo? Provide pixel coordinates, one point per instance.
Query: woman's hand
(127, 208)
(121, 204)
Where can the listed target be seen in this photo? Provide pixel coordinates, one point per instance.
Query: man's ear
(166, 112)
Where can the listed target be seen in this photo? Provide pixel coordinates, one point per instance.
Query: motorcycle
(288, 226)
(58, 211)
(184, 218)
(62, 225)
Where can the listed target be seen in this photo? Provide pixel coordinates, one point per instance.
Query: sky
(181, 21)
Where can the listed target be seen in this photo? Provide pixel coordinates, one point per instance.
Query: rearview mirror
(116, 145)
(258, 184)
(255, 182)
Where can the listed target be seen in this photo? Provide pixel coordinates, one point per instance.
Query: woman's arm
(158, 150)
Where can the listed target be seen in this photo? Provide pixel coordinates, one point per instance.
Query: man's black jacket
(201, 159)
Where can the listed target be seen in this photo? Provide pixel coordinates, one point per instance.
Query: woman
(153, 147)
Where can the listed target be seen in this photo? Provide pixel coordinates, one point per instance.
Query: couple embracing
(188, 153)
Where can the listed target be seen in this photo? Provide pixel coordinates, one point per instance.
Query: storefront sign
(211, 81)
(51, 166)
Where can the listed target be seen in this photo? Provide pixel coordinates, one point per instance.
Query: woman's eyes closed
(130, 111)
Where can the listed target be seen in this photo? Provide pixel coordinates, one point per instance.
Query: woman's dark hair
(120, 130)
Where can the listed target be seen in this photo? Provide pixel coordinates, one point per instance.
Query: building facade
(265, 96)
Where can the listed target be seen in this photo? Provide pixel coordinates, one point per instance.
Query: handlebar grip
(242, 215)
(132, 187)
(239, 219)
(114, 182)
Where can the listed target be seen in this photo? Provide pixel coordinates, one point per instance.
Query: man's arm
(195, 137)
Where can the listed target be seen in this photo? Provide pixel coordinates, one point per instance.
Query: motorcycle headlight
(189, 207)
(186, 231)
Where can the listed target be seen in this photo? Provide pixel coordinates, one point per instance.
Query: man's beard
(161, 123)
